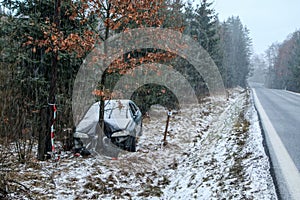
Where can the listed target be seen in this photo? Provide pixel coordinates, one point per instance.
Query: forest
(283, 64)
(44, 43)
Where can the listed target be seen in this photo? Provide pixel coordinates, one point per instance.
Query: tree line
(44, 43)
(283, 64)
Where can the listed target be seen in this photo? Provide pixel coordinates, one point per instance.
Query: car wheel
(130, 144)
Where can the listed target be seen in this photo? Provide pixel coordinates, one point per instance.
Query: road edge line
(286, 164)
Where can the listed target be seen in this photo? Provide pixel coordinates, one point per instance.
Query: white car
(122, 123)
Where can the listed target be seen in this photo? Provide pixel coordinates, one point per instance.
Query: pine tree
(201, 23)
(236, 45)
(271, 55)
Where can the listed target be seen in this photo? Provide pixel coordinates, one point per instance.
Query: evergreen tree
(236, 45)
(271, 55)
(46, 60)
(201, 23)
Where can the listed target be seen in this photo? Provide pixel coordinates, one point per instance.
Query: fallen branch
(25, 188)
(16, 182)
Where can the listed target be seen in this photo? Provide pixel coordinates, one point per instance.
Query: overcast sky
(268, 20)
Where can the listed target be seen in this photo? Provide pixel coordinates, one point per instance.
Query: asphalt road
(283, 110)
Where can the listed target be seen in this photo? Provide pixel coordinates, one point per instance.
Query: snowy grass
(214, 151)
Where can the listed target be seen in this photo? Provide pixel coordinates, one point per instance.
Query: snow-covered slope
(214, 151)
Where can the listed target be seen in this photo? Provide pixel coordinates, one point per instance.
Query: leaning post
(167, 125)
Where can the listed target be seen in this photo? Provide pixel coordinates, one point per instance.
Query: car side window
(133, 109)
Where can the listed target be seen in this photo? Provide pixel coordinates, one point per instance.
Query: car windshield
(116, 110)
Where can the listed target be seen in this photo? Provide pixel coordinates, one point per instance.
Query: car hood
(115, 125)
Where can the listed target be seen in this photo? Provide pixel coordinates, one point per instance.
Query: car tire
(130, 144)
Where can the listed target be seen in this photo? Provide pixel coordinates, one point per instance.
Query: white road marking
(286, 164)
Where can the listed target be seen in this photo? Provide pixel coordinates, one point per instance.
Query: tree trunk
(44, 145)
(102, 83)
(42, 135)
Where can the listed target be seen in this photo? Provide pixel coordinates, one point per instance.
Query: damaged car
(122, 124)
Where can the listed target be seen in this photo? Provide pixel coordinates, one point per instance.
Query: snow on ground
(214, 151)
